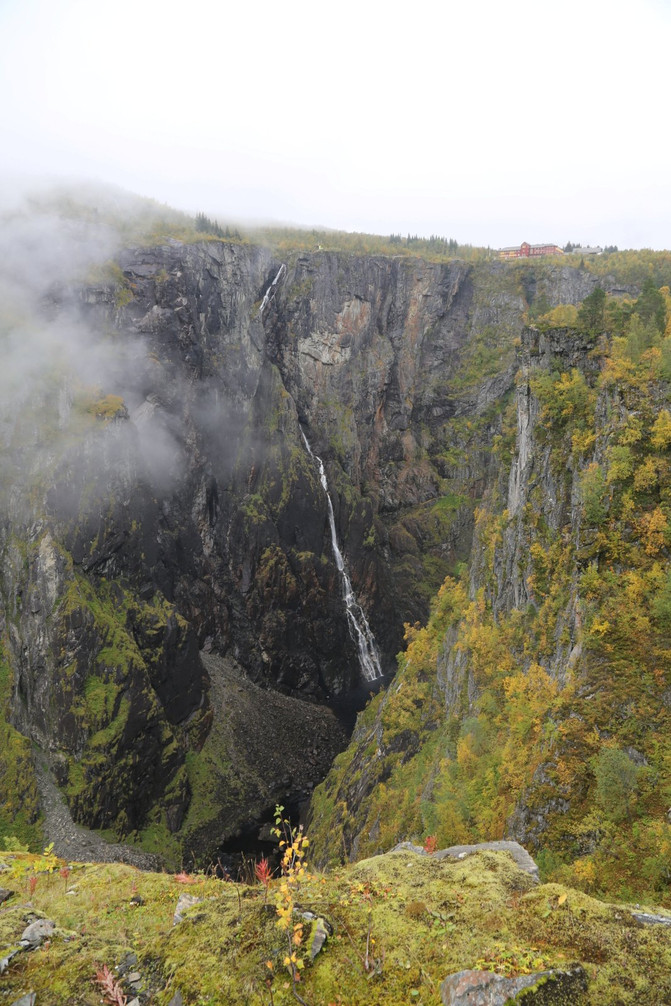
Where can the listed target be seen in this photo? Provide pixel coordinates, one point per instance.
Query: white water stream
(369, 658)
(271, 289)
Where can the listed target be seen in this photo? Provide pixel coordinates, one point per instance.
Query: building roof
(545, 244)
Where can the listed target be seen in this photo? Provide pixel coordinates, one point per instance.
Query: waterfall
(359, 628)
(271, 289)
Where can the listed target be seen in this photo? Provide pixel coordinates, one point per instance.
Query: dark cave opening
(237, 856)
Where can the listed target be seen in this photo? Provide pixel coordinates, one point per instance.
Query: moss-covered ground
(401, 923)
(19, 809)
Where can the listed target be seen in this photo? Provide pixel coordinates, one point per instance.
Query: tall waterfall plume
(369, 658)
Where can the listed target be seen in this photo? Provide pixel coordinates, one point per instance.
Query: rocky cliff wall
(361, 353)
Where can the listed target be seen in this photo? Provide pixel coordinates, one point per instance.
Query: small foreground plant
(295, 844)
(264, 875)
(110, 988)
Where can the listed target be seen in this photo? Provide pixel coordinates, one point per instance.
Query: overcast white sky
(492, 122)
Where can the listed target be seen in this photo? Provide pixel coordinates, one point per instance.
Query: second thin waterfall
(359, 628)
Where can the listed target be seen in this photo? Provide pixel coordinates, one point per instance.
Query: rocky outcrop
(458, 932)
(546, 988)
(519, 854)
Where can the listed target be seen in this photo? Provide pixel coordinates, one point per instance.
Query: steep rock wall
(362, 353)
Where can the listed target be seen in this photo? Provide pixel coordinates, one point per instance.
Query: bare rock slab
(518, 852)
(648, 919)
(545, 988)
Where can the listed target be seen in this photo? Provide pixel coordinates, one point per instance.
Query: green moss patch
(400, 924)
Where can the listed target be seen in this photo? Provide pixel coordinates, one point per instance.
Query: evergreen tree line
(204, 225)
(434, 243)
(649, 308)
(571, 247)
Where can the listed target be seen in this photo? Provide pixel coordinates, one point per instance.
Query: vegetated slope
(536, 702)
(396, 926)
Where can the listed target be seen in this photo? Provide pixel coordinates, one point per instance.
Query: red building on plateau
(526, 250)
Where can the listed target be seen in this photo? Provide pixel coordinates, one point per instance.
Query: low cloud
(56, 356)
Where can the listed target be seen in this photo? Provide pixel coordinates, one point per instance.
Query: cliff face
(359, 353)
(165, 504)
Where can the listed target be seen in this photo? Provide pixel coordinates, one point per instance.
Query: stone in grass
(127, 963)
(27, 1000)
(648, 919)
(484, 988)
(33, 934)
(517, 851)
(134, 981)
(323, 930)
(419, 850)
(184, 902)
(176, 999)
(5, 893)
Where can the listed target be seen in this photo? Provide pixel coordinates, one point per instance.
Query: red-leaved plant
(430, 844)
(264, 874)
(185, 878)
(110, 988)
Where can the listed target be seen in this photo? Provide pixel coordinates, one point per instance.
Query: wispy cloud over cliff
(41, 253)
(57, 357)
